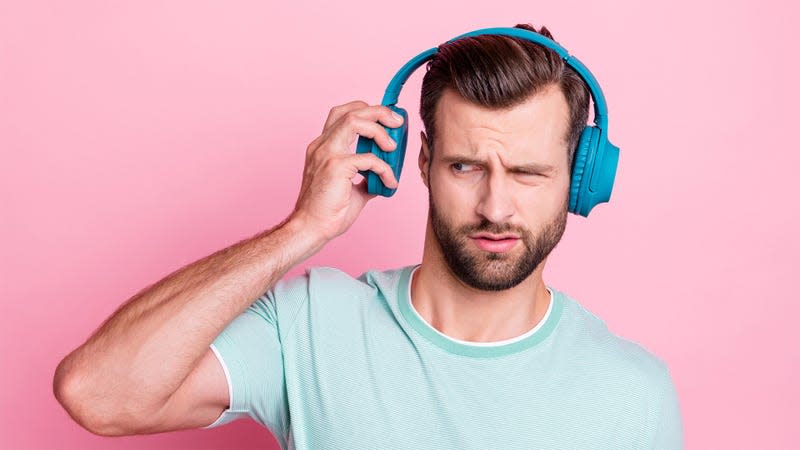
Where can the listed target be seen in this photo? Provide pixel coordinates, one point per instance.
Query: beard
(490, 271)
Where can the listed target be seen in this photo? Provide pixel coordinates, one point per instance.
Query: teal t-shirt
(328, 361)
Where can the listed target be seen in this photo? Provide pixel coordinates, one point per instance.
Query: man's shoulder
(331, 300)
(376, 278)
(329, 282)
(627, 377)
(619, 356)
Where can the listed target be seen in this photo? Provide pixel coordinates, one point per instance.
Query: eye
(529, 174)
(461, 167)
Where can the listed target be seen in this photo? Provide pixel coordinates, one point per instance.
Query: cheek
(455, 202)
(451, 199)
(561, 191)
(442, 184)
(458, 198)
(540, 204)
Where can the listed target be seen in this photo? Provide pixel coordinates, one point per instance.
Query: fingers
(344, 123)
(374, 113)
(344, 134)
(338, 111)
(356, 118)
(362, 192)
(359, 109)
(368, 161)
(378, 113)
(363, 122)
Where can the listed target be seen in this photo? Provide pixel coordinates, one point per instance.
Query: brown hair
(500, 72)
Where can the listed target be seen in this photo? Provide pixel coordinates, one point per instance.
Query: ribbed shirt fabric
(327, 361)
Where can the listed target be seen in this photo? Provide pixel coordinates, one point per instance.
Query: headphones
(595, 161)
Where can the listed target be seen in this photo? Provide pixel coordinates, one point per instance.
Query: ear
(424, 159)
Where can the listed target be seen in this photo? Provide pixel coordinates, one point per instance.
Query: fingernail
(397, 117)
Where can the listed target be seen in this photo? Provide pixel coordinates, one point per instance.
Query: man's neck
(463, 312)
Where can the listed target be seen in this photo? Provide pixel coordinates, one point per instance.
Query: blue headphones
(595, 161)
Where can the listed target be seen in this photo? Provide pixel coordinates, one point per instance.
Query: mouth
(495, 243)
(494, 237)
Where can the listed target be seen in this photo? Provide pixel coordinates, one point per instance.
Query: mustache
(493, 228)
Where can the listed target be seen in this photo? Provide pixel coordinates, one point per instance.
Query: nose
(496, 203)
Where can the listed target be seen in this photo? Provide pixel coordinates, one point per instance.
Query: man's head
(502, 116)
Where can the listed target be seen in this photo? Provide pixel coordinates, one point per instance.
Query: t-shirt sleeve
(669, 430)
(249, 350)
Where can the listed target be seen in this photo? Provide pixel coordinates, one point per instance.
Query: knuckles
(338, 108)
(351, 119)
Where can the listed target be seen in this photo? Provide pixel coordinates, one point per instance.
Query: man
(468, 349)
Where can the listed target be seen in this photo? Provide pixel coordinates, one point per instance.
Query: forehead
(537, 125)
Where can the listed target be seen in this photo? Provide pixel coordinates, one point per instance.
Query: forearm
(143, 352)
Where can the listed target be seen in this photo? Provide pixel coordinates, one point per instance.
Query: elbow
(68, 390)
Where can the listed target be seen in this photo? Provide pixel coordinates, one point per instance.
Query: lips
(494, 237)
(495, 243)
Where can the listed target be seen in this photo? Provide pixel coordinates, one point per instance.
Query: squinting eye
(530, 174)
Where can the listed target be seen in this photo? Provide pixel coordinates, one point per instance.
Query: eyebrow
(530, 167)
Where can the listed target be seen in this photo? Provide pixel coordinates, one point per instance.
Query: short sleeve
(249, 350)
(669, 429)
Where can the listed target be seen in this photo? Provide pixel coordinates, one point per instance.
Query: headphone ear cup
(585, 147)
(393, 158)
(594, 170)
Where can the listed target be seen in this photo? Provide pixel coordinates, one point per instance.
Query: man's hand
(329, 202)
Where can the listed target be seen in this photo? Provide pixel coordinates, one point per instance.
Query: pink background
(138, 137)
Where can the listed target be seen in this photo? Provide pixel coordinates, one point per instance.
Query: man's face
(497, 174)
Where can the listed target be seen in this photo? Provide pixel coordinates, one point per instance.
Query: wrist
(304, 236)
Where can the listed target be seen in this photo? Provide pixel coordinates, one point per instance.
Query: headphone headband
(600, 109)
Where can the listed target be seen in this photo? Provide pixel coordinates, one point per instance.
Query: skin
(460, 289)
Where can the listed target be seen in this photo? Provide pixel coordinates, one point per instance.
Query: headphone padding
(579, 165)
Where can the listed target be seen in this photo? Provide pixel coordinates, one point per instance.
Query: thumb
(362, 193)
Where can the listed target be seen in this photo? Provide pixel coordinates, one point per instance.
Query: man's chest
(361, 402)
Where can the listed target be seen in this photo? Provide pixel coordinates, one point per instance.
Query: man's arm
(143, 370)
(128, 370)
